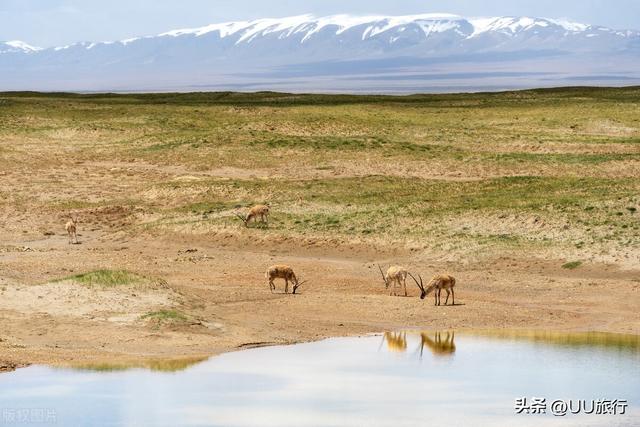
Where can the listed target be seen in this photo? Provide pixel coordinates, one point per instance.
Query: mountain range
(416, 53)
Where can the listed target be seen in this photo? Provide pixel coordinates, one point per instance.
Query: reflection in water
(572, 339)
(438, 343)
(442, 343)
(347, 382)
(157, 365)
(396, 341)
(438, 346)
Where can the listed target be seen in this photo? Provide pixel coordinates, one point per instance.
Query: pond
(394, 379)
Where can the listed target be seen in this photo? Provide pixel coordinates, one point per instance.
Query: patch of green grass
(566, 158)
(572, 265)
(206, 207)
(165, 316)
(73, 204)
(107, 278)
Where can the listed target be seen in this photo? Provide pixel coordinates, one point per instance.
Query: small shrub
(165, 316)
(572, 265)
(106, 278)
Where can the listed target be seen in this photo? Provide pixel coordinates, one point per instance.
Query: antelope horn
(420, 285)
(383, 278)
(241, 217)
(297, 285)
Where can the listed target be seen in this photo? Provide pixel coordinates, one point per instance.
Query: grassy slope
(528, 170)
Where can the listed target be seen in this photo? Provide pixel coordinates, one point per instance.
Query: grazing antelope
(437, 283)
(282, 272)
(71, 227)
(395, 276)
(258, 211)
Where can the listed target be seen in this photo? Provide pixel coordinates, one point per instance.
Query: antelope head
(423, 292)
(297, 285)
(386, 282)
(242, 218)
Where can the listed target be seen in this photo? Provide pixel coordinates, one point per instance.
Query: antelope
(282, 272)
(437, 283)
(395, 276)
(71, 227)
(258, 211)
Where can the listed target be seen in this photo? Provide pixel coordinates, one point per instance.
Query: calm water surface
(395, 379)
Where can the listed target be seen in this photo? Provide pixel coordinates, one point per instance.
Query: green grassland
(106, 278)
(535, 170)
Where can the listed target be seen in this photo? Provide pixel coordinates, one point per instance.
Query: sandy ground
(218, 282)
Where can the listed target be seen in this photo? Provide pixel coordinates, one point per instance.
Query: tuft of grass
(572, 265)
(107, 278)
(165, 316)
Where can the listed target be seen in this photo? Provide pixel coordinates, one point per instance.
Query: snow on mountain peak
(18, 45)
(310, 25)
(302, 28)
(514, 24)
(339, 51)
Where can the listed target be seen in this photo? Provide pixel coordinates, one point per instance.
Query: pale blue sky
(57, 22)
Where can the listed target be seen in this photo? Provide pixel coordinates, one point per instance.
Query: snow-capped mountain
(374, 53)
(17, 46)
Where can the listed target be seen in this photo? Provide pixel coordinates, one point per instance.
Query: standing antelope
(395, 276)
(437, 283)
(258, 211)
(71, 227)
(282, 272)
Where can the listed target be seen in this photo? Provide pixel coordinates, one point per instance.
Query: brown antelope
(258, 211)
(282, 272)
(71, 227)
(396, 275)
(437, 283)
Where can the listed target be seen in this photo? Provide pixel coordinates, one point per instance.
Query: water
(397, 379)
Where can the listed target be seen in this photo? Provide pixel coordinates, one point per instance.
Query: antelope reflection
(396, 341)
(440, 343)
(438, 346)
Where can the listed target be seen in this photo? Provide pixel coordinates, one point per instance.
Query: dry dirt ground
(203, 290)
(217, 282)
